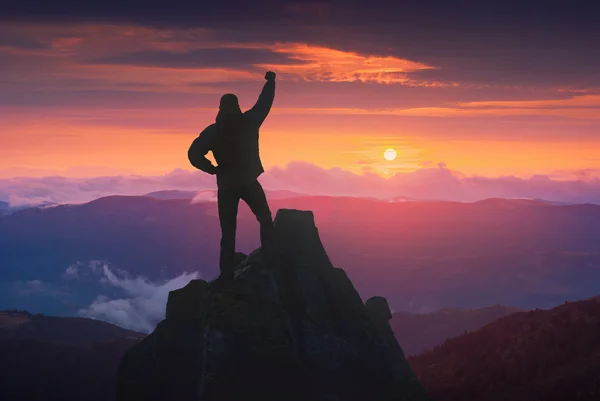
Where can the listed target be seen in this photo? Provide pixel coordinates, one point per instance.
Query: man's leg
(255, 197)
(228, 201)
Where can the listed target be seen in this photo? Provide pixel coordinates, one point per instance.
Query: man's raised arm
(262, 107)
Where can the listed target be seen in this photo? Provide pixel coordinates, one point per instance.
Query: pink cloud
(575, 101)
(331, 65)
(432, 182)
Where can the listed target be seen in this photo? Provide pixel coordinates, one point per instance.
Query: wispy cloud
(84, 270)
(143, 304)
(574, 101)
(576, 107)
(331, 65)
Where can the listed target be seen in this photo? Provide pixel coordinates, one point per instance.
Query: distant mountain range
(542, 355)
(489, 200)
(60, 330)
(198, 196)
(172, 194)
(211, 194)
(417, 332)
(422, 256)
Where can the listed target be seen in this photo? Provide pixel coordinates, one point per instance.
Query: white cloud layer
(143, 304)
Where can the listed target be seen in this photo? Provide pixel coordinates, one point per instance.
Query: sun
(389, 154)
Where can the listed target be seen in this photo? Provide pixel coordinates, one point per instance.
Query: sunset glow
(100, 97)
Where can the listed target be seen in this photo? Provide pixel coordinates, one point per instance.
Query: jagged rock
(406, 386)
(378, 310)
(296, 332)
(186, 303)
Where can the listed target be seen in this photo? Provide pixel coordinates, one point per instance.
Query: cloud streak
(576, 107)
(331, 65)
(575, 101)
(223, 57)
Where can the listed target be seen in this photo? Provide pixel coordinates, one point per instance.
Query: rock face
(298, 331)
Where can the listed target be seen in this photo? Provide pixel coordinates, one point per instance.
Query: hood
(228, 115)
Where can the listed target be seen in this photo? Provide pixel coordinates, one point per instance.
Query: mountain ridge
(419, 332)
(60, 330)
(538, 355)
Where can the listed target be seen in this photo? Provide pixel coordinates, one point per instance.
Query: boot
(225, 278)
(226, 275)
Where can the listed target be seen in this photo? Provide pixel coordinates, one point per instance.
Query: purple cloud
(436, 183)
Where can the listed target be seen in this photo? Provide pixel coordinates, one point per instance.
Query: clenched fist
(270, 76)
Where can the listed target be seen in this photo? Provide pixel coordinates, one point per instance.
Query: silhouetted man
(233, 139)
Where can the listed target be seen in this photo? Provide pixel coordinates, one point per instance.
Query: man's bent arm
(262, 107)
(203, 146)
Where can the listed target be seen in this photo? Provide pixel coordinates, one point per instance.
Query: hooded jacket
(233, 140)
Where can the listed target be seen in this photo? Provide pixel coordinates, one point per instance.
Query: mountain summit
(296, 332)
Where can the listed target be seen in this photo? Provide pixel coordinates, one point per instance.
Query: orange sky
(93, 99)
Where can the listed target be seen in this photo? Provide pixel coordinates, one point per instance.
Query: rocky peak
(297, 331)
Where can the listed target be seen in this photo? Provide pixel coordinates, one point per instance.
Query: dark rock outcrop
(297, 331)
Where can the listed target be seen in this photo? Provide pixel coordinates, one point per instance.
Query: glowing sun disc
(389, 154)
